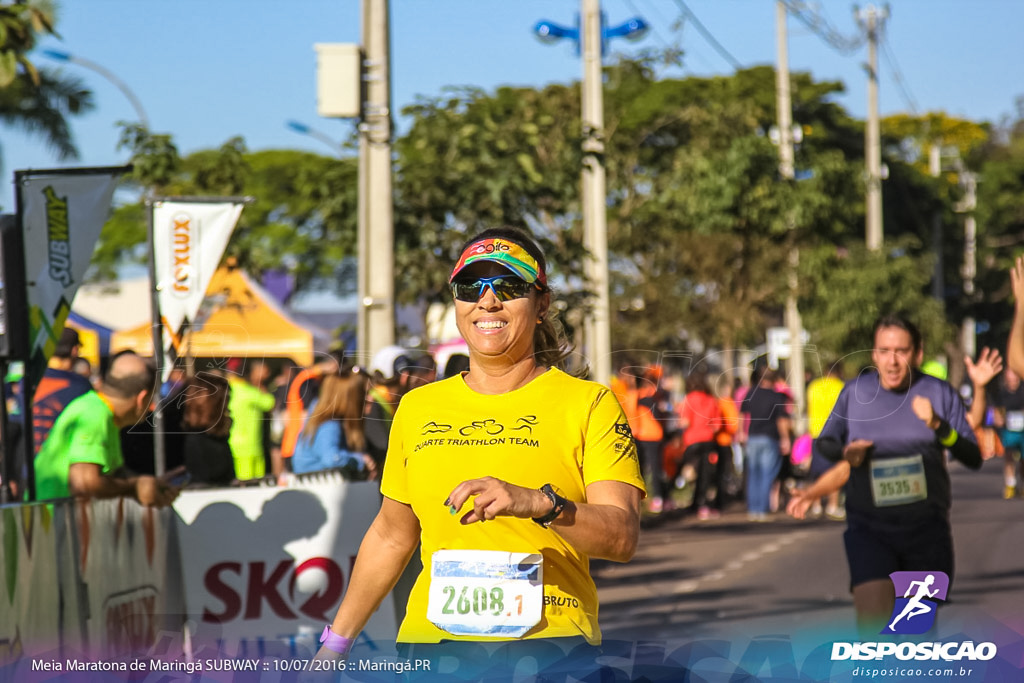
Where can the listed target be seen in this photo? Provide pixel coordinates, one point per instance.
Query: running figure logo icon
(914, 612)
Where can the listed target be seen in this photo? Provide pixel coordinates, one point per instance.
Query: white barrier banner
(128, 573)
(34, 542)
(266, 567)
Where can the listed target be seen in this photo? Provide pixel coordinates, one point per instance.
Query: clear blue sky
(208, 70)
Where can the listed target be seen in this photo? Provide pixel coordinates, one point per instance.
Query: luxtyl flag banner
(62, 213)
(188, 240)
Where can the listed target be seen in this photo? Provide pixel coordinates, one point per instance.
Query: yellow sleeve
(610, 452)
(395, 480)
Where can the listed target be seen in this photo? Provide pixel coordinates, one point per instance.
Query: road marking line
(691, 585)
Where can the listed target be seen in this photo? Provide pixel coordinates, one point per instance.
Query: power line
(890, 58)
(654, 31)
(654, 8)
(813, 20)
(711, 40)
(694, 53)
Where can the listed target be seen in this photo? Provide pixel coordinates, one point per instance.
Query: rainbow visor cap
(506, 252)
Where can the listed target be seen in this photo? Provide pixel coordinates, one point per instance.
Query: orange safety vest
(730, 421)
(642, 423)
(294, 412)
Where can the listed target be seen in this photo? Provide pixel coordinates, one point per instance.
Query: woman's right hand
(493, 497)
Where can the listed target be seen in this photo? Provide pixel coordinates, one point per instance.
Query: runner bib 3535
(898, 481)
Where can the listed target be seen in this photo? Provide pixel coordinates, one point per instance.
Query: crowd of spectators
(230, 423)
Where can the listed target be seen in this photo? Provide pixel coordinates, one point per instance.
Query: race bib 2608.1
(485, 592)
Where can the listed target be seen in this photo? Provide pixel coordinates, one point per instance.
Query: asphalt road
(784, 583)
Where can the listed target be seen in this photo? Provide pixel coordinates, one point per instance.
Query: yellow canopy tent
(243, 321)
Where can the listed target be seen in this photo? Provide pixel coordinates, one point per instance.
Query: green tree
(304, 215)
(927, 202)
(20, 23)
(302, 219)
(853, 287)
(1000, 220)
(472, 161)
(701, 222)
(36, 101)
(156, 164)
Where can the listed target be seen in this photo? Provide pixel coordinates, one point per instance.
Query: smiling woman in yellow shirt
(511, 476)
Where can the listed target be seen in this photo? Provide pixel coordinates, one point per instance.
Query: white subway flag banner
(62, 215)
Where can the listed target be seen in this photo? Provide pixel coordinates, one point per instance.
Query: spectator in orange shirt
(300, 396)
(700, 418)
(725, 438)
(646, 405)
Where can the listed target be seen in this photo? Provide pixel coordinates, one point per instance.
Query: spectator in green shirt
(82, 454)
(248, 406)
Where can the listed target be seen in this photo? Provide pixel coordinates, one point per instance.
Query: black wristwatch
(558, 504)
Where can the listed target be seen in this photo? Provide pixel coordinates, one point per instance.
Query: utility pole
(787, 169)
(595, 232)
(871, 17)
(376, 286)
(970, 268)
(938, 282)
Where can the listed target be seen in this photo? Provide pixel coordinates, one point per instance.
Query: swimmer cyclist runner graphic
(917, 598)
(915, 606)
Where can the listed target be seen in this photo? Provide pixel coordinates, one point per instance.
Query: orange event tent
(244, 321)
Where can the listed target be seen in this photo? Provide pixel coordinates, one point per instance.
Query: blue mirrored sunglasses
(504, 287)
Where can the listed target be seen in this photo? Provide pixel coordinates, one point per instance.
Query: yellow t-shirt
(822, 394)
(556, 429)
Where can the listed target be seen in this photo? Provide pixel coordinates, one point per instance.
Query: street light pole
(787, 169)
(970, 267)
(597, 331)
(303, 129)
(376, 316)
(873, 18)
(69, 58)
(591, 36)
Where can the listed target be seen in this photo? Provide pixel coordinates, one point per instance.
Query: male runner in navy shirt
(893, 426)
(59, 386)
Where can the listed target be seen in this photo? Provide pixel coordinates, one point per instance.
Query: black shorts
(874, 554)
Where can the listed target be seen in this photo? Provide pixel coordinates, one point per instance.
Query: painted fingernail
(447, 501)
(452, 510)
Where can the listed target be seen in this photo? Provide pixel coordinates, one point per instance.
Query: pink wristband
(335, 643)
